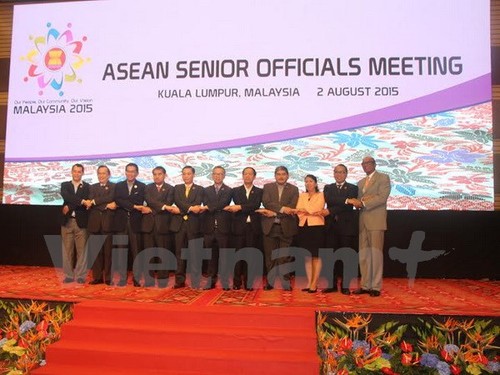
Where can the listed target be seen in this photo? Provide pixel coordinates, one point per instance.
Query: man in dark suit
(185, 224)
(101, 208)
(216, 226)
(156, 219)
(129, 197)
(279, 224)
(342, 224)
(246, 227)
(74, 226)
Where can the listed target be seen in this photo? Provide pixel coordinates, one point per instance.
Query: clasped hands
(324, 212)
(357, 203)
(268, 213)
(89, 202)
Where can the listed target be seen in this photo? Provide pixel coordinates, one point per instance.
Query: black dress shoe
(67, 280)
(346, 291)
(305, 290)
(80, 281)
(361, 291)
(374, 293)
(268, 287)
(108, 282)
(179, 285)
(136, 283)
(330, 290)
(225, 289)
(249, 289)
(209, 287)
(122, 283)
(312, 290)
(96, 282)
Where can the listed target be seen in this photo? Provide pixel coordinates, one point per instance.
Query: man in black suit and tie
(101, 208)
(185, 224)
(216, 226)
(246, 227)
(129, 197)
(342, 221)
(156, 219)
(279, 224)
(74, 226)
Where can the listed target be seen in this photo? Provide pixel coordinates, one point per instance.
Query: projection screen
(297, 83)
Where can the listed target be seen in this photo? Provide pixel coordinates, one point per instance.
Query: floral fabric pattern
(441, 161)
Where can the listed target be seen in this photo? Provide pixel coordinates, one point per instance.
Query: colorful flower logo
(55, 59)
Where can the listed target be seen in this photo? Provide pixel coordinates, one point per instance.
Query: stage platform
(214, 331)
(426, 296)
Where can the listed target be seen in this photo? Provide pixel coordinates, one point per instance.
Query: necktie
(248, 195)
(367, 183)
(188, 188)
(217, 188)
(339, 186)
(158, 187)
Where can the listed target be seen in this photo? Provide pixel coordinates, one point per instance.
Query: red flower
(359, 362)
(345, 343)
(376, 351)
(387, 371)
(406, 359)
(42, 334)
(42, 326)
(446, 356)
(12, 335)
(455, 369)
(23, 343)
(481, 358)
(406, 347)
(342, 371)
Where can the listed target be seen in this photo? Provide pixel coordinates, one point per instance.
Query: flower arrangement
(26, 328)
(347, 346)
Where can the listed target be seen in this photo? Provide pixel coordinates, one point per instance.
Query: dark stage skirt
(311, 238)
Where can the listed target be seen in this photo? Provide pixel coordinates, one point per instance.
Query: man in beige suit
(373, 192)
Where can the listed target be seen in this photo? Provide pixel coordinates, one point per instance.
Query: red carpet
(138, 338)
(428, 296)
(132, 330)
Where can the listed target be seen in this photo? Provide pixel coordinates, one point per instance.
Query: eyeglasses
(367, 162)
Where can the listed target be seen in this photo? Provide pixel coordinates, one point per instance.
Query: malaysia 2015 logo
(55, 59)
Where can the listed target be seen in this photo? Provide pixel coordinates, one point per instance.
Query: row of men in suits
(158, 215)
(180, 217)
